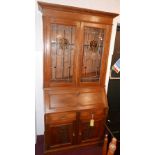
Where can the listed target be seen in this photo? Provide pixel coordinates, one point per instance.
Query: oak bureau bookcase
(76, 49)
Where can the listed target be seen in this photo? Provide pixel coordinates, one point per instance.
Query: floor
(97, 150)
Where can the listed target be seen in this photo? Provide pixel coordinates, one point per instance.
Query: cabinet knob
(80, 133)
(73, 134)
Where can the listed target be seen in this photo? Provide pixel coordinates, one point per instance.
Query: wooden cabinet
(71, 128)
(76, 49)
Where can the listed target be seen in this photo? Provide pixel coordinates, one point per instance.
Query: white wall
(39, 106)
(103, 5)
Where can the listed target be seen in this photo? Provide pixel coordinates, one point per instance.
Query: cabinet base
(73, 147)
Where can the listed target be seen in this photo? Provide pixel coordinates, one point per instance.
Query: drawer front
(94, 113)
(60, 117)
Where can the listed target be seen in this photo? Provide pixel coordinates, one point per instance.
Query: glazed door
(59, 135)
(61, 51)
(94, 53)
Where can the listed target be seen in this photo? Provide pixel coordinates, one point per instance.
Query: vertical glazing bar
(95, 69)
(70, 49)
(63, 55)
(56, 50)
(71, 35)
(99, 60)
(85, 71)
(92, 68)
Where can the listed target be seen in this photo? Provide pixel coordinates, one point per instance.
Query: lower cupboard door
(59, 135)
(89, 133)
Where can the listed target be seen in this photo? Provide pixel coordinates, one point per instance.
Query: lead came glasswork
(62, 52)
(92, 54)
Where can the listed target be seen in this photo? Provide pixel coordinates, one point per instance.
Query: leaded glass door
(93, 47)
(61, 52)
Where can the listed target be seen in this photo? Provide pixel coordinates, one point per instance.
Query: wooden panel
(85, 99)
(64, 90)
(63, 100)
(74, 13)
(74, 100)
(59, 135)
(105, 55)
(60, 117)
(46, 63)
(87, 115)
(89, 133)
(78, 16)
(72, 9)
(72, 147)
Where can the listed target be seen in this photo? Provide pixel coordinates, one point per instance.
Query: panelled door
(91, 126)
(61, 50)
(60, 129)
(93, 53)
(59, 135)
(89, 133)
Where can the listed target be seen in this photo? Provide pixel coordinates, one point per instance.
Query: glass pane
(92, 54)
(62, 52)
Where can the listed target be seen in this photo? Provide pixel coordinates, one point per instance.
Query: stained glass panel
(62, 52)
(92, 54)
